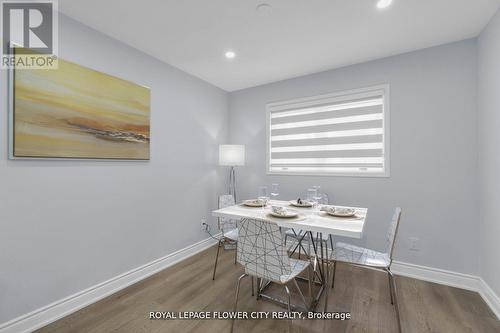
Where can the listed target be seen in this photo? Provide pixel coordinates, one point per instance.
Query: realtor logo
(29, 34)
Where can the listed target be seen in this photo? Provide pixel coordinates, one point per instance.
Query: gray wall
(489, 161)
(67, 225)
(433, 151)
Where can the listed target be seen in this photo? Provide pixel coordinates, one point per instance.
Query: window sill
(329, 174)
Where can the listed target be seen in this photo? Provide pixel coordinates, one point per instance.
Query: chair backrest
(261, 250)
(392, 232)
(226, 200)
(226, 224)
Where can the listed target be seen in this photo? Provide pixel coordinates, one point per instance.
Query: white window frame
(334, 98)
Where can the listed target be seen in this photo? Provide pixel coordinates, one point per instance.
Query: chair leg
(259, 284)
(394, 295)
(334, 262)
(310, 273)
(236, 300)
(333, 274)
(289, 309)
(327, 287)
(216, 259)
(253, 294)
(390, 286)
(236, 253)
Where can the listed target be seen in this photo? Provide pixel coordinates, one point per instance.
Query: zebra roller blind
(337, 134)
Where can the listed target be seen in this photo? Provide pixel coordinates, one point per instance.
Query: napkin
(279, 210)
(327, 208)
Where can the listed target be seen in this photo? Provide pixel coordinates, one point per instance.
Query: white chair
(360, 256)
(228, 227)
(262, 253)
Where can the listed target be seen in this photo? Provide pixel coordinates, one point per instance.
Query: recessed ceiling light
(381, 4)
(230, 54)
(264, 9)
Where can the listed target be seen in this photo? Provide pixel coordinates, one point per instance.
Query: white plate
(342, 212)
(253, 203)
(289, 214)
(303, 205)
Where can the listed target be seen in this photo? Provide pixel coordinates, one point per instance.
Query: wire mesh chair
(360, 256)
(262, 253)
(229, 228)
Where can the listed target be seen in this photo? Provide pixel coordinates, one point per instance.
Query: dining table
(312, 223)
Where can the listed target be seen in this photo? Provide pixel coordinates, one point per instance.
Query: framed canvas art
(75, 112)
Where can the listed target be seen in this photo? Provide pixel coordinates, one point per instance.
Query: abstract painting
(77, 112)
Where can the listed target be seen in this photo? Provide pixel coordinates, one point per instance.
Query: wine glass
(275, 190)
(311, 195)
(318, 196)
(262, 194)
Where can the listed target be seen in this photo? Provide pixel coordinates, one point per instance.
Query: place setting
(301, 203)
(256, 203)
(283, 212)
(263, 197)
(346, 213)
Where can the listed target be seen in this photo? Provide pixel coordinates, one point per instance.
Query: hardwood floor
(188, 286)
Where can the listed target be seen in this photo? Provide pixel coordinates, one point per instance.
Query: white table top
(308, 219)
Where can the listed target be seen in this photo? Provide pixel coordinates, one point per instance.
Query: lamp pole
(232, 182)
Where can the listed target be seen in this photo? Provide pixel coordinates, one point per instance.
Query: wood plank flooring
(188, 286)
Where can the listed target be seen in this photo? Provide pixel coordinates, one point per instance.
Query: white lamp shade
(232, 155)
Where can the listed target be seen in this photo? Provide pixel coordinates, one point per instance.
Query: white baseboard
(54, 311)
(441, 276)
(452, 279)
(489, 297)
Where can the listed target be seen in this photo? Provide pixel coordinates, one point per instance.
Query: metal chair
(228, 227)
(262, 253)
(364, 257)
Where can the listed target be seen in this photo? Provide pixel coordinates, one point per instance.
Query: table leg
(320, 237)
(299, 243)
(315, 249)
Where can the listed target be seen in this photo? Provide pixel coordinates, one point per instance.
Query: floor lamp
(232, 156)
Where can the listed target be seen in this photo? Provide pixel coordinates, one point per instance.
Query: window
(341, 134)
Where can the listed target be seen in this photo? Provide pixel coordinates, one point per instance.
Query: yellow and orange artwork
(77, 112)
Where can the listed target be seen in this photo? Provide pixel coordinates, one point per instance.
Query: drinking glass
(324, 199)
(318, 196)
(311, 194)
(262, 194)
(275, 190)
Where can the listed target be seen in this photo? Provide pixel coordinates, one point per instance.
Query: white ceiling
(299, 36)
